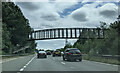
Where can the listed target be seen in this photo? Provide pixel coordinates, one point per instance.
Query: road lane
(44, 64)
(16, 64)
(32, 63)
(88, 66)
(57, 64)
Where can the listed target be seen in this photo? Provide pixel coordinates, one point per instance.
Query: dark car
(41, 54)
(48, 52)
(56, 53)
(72, 54)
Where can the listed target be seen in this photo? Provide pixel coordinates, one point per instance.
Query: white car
(41, 54)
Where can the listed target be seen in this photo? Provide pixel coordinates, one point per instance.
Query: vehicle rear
(56, 53)
(41, 54)
(72, 54)
(48, 53)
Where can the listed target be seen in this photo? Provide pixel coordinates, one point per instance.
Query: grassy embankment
(6, 56)
(101, 59)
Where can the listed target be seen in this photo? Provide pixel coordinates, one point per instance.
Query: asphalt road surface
(32, 63)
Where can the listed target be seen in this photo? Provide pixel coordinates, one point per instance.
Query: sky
(62, 14)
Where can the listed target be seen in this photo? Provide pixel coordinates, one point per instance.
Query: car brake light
(69, 53)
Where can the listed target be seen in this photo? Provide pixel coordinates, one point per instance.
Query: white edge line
(27, 64)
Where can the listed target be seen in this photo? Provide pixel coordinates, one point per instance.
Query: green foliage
(67, 46)
(6, 43)
(59, 49)
(49, 50)
(16, 29)
(102, 46)
(101, 59)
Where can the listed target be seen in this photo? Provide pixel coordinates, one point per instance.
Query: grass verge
(15, 56)
(101, 59)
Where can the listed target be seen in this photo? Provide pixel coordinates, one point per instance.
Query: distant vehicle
(56, 53)
(41, 54)
(48, 52)
(72, 54)
(41, 49)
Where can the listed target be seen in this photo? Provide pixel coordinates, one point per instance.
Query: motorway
(31, 63)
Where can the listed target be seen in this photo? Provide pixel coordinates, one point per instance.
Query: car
(48, 52)
(72, 54)
(41, 54)
(56, 53)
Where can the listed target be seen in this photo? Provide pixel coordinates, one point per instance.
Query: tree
(102, 46)
(68, 45)
(16, 28)
(6, 43)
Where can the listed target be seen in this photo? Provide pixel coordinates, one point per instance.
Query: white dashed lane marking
(63, 63)
(27, 64)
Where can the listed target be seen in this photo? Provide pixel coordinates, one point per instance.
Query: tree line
(108, 46)
(15, 30)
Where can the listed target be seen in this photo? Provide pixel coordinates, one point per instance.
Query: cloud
(65, 0)
(60, 6)
(46, 25)
(108, 13)
(30, 6)
(79, 16)
(50, 16)
(56, 44)
(47, 15)
(109, 10)
(42, 44)
(44, 15)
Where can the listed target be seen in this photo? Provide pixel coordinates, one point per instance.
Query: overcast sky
(55, 14)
